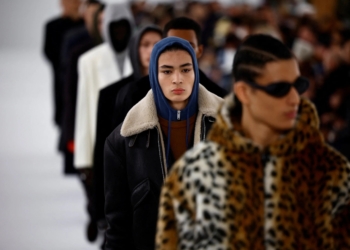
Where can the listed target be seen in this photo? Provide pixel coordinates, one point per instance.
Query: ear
(200, 51)
(240, 89)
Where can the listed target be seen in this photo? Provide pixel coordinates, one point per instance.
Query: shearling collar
(228, 132)
(143, 115)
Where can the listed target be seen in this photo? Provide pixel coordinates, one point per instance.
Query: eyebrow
(171, 67)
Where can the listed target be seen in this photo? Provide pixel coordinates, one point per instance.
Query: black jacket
(131, 94)
(135, 168)
(54, 33)
(104, 127)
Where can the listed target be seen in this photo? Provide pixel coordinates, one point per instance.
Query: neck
(259, 133)
(73, 16)
(144, 71)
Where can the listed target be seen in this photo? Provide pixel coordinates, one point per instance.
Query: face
(71, 6)
(146, 44)
(277, 113)
(176, 77)
(346, 52)
(120, 32)
(88, 15)
(190, 36)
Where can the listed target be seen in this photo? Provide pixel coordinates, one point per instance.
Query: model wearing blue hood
(164, 109)
(135, 159)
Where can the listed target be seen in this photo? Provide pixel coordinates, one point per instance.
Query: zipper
(202, 137)
(178, 115)
(164, 172)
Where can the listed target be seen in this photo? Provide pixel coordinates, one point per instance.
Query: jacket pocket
(145, 211)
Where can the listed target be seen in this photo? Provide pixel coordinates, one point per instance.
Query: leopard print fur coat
(227, 193)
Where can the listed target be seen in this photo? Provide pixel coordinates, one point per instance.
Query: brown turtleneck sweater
(178, 134)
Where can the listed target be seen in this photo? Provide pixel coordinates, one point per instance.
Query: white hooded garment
(97, 68)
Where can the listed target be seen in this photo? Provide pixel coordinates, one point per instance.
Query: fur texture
(227, 193)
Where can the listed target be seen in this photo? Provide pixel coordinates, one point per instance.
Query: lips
(178, 91)
(291, 114)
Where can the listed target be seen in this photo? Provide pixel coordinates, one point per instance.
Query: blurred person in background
(306, 39)
(76, 37)
(264, 178)
(196, 11)
(174, 115)
(140, 49)
(77, 47)
(214, 13)
(162, 14)
(140, 11)
(53, 38)
(98, 68)
(77, 44)
(225, 57)
(332, 98)
(331, 95)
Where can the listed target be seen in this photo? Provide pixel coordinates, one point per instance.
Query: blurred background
(41, 208)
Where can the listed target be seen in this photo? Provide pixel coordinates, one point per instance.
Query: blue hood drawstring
(163, 108)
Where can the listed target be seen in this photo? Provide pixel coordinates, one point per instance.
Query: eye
(145, 44)
(166, 72)
(186, 70)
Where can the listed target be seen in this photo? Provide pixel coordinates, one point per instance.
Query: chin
(287, 126)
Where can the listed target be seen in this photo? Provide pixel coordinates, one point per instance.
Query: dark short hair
(254, 53)
(184, 23)
(93, 2)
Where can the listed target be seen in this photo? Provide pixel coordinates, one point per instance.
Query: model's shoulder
(54, 21)
(115, 135)
(95, 52)
(332, 157)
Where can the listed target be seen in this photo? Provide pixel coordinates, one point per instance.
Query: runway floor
(40, 208)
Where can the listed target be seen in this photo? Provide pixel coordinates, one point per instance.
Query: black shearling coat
(135, 169)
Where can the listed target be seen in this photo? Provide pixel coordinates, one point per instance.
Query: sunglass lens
(301, 85)
(278, 89)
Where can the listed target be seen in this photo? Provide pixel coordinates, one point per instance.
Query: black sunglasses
(280, 89)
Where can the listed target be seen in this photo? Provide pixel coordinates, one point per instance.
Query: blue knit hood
(163, 108)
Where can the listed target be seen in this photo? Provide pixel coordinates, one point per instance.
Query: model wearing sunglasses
(275, 107)
(280, 89)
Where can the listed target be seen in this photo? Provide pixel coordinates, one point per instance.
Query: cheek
(162, 82)
(266, 109)
(144, 55)
(191, 79)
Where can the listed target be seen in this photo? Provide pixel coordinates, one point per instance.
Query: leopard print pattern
(227, 193)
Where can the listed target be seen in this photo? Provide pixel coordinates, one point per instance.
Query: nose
(293, 97)
(177, 78)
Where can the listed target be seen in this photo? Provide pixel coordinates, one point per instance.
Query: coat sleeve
(48, 42)
(122, 105)
(83, 138)
(117, 205)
